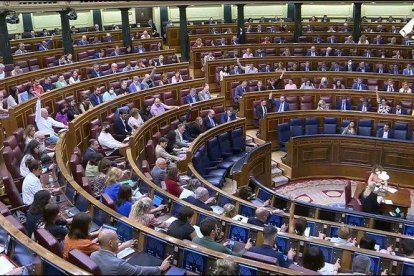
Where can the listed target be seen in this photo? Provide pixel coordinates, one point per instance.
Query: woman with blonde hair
(226, 267)
(142, 212)
(28, 134)
(113, 176)
(135, 119)
(229, 210)
(322, 105)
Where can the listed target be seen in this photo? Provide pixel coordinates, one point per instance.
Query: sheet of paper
(126, 252)
(5, 265)
(217, 209)
(170, 220)
(388, 201)
(198, 231)
(240, 218)
(392, 190)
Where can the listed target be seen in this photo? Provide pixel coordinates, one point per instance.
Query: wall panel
(16, 28)
(256, 11)
(51, 20)
(197, 13)
(330, 10)
(110, 17)
(385, 10)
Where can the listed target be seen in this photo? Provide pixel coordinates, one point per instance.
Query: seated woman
(307, 85)
(85, 104)
(324, 83)
(177, 77)
(172, 181)
(142, 212)
(32, 152)
(112, 185)
(73, 111)
(97, 183)
(52, 222)
(373, 177)
(350, 129)
(338, 85)
(224, 72)
(35, 212)
(322, 105)
(62, 114)
(79, 237)
(28, 134)
(123, 203)
(91, 170)
(182, 228)
(229, 210)
(135, 119)
(369, 199)
(164, 79)
(405, 88)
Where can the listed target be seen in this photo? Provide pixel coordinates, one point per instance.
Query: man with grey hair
(361, 265)
(45, 123)
(110, 264)
(179, 140)
(148, 81)
(158, 172)
(202, 199)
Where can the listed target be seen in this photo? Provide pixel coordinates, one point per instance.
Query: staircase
(278, 178)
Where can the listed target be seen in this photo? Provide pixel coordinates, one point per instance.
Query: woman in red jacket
(172, 181)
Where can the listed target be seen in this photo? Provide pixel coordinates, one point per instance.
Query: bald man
(46, 124)
(158, 172)
(110, 264)
(260, 218)
(148, 81)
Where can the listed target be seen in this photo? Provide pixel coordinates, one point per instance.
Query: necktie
(343, 106)
(380, 71)
(364, 109)
(336, 69)
(212, 122)
(99, 100)
(359, 87)
(281, 107)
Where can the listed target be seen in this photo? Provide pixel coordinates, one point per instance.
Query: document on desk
(388, 201)
(392, 190)
(171, 220)
(126, 252)
(198, 231)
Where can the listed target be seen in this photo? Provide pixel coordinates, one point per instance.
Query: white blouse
(134, 123)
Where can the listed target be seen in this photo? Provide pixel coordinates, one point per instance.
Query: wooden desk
(400, 199)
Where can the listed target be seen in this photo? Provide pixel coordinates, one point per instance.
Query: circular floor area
(324, 191)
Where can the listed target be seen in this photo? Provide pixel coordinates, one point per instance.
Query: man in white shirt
(31, 183)
(109, 95)
(108, 142)
(2, 73)
(248, 69)
(179, 140)
(45, 123)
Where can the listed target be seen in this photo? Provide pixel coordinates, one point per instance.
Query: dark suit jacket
(238, 92)
(193, 130)
(367, 69)
(207, 124)
(384, 70)
(380, 132)
(259, 112)
(346, 68)
(189, 99)
(385, 88)
(368, 107)
(94, 74)
(94, 99)
(262, 88)
(355, 86)
(198, 203)
(224, 117)
(308, 53)
(88, 155)
(403, 111)
(370, 203)
(339, 105)
(275, 104)
(120, 130)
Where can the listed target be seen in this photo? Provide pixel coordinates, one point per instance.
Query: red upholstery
(4, 211)
(48, 241)
(12, 157)
(12, 192)
(351, 202)
(16, 223)
(79, 173)
(260, 258)
(18, 133)
(83, 261)
(150, 152)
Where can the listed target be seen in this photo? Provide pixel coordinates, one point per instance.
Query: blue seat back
(365, 127)
(311, 126)
(284, 134)
(225, 144)
(400, 130)
(344, 124)
(296, 127)
(213, 149)
(237, 137)
(329, 125)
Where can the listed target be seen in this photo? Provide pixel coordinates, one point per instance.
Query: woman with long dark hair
(35, 212)
(13, 98)
(124, 200)
(53, 223)
(32, 152)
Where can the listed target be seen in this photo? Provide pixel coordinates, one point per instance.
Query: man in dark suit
(236, 70)
(389, 86)
(194, 129)
(221, 42)
(209, 121)
(192, 97)
(362, 67)
(335, 67)
(122, 129)
(385, 132)
(96, 97)
(278, 105)
(153, 28)
(312, 52)
(398, 110)
(332, 39)
(116, 52)
(201, 199)
(99, 54)
(96, 72)
(260, 86)
(343, 104)
(306, 66)
(394, 69)
(90, 151)
(239, 91)
(364, 106)
(228, 116)
(378, 40)
(266, 69)
(358, 85)
(380, 69)
(261, 110)
(340, 52)
(260, 217)
(350, 66)
(318, 39)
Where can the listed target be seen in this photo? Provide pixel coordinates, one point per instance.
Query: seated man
(267, 248)
(389, 86)
(109, 264)
(90, 151)
(209, 230)
(385, 132)
(278, 105)
(364, 106)
(46, 124)
(158, 107)
(261, 110)
(192, 97)
(179, 140)
(148, 81)
(209, 121)
(343, 104)
(260, 217)
(159, 171)
(122, 129)
(312, 52)
(194, 129)
(201, 199)
(228, 116)
(362, 67)
(358, 85)
(248, 69)
(260, 86)
(110, 145)
(83, 41)
(96, 97)
(160, 151)
(398, 110)
(239, 91)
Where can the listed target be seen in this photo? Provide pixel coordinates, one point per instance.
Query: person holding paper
(369, 199)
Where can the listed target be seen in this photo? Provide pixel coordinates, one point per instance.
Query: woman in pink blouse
(290, 85)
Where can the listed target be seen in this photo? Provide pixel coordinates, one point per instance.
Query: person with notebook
(110, 264)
